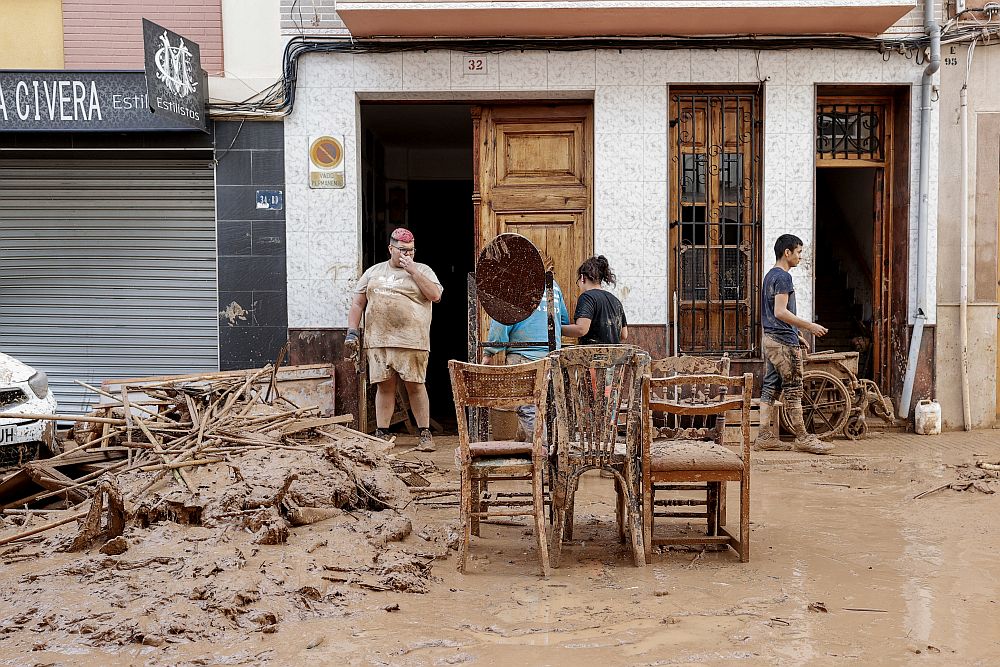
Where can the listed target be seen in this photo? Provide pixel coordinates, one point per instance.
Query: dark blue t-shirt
(778, 281)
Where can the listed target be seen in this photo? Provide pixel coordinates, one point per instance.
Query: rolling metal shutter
(108, 270)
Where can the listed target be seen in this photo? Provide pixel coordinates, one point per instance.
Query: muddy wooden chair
(686, 507)
(593, 387)
(476, 386)
(675, 452)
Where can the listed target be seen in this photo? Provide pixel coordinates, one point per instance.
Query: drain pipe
(934, 31)
(963, 285)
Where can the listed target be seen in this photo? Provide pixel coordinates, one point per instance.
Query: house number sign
(475, 65)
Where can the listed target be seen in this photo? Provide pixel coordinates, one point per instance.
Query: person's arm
(624, 332)
(788, 317)
(584, 315)
(431, 290)
(499, 333)
(580, 328)
(353, 337)
(563, 313)
(357, 310)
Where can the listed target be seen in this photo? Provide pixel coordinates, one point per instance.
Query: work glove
(351, 344)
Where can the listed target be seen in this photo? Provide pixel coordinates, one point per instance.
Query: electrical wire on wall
(279, 98)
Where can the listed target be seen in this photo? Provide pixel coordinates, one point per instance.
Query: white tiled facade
(629, 89)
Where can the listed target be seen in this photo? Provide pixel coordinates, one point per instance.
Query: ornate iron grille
(850, 131)
(715, 221)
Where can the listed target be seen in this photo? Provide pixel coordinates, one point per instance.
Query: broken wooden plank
(43, 528)
(176, 465)
(61, 418)
(305, 424)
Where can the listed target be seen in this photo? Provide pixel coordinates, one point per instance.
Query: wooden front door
(534, 177)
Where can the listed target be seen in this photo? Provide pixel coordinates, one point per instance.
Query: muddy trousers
(783, 373)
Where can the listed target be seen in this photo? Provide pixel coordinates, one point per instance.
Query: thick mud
(845, 565)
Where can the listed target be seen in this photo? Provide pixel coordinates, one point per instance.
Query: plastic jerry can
(927, 417)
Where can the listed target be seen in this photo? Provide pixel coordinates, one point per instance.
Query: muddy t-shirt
(778, 281)
(398, 314)
(606, 315)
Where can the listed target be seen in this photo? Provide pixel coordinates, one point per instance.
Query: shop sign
(174, 80)
(78, 101)
(326, 162)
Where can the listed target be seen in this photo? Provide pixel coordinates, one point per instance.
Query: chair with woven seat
(683, 444)
(681, 508)
(596, 388)
(476, 386)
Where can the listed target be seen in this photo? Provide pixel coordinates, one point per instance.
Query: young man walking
(783, 351)
(396, 297)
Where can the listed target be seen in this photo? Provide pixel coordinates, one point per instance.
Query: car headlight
(39, 383)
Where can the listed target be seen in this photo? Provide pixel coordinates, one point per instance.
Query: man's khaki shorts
(410, 365)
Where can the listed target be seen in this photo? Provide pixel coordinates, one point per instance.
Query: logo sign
(326, 162)
(78, 102)
(174, 80)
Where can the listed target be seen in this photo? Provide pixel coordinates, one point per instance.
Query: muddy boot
(426, 442)
(805, 441)
(767, 438)
(382, 434)
(810, 444)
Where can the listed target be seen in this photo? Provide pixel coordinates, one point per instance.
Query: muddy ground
(845, 565)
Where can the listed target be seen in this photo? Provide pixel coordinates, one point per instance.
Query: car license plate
(7, 434)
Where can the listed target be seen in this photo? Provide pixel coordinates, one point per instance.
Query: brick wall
(107, 34)
(311, 17)
(913, 22)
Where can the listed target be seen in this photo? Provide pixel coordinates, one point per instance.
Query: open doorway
(417, 167)
(848, 205)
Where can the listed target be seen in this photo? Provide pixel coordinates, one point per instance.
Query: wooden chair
(592, 386)
(677, 452)
(477, 386)
(668, 508)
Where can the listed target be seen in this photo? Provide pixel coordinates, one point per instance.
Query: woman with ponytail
(600, 317)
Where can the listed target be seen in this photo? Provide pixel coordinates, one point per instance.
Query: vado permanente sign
(174, 83)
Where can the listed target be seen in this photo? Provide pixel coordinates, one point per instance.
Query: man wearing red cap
(395, 298)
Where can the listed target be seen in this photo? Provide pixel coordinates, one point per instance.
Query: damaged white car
(24, 390)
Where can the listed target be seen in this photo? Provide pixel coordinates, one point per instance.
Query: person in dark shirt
(599, 318)
(782, 345)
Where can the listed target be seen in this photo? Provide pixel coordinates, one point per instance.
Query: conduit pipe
(933, 30)
(963, 281)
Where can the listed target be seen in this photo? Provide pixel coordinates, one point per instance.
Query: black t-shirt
(606, 315)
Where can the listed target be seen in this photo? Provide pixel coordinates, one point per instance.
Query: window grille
(850, 131)
(715, 220)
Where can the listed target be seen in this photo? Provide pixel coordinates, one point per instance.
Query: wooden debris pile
(166, 428)
(981, 476)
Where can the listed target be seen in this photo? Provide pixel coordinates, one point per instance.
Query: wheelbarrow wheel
(856, 428)
(826, 404)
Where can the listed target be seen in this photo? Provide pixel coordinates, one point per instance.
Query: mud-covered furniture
(476, 386)
(678, 451)
(680, 504)
(598, 421)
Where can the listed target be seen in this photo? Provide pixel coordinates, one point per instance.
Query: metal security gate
(715, 221)
(108, 270)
